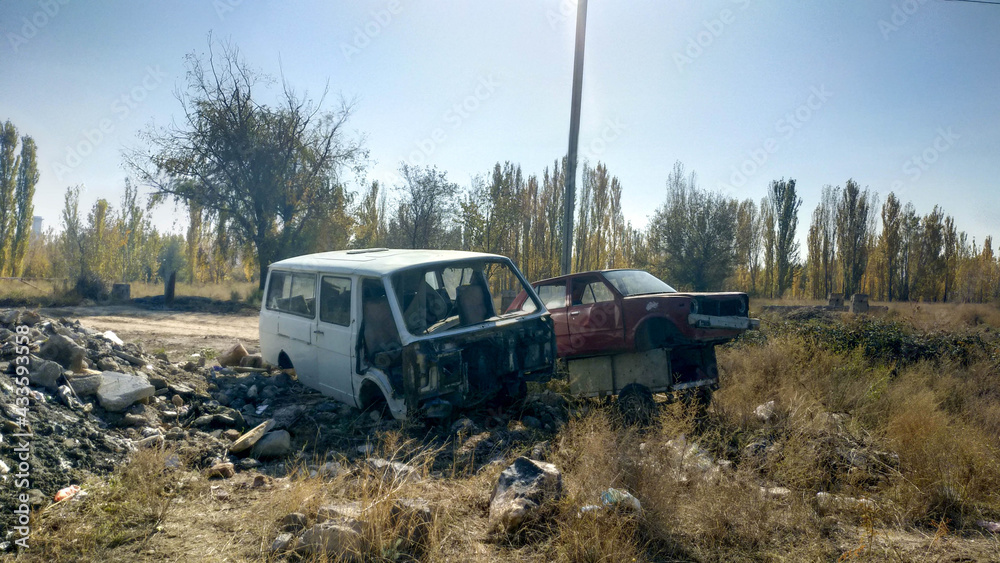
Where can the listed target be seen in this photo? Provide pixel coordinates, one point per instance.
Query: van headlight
(694, 306)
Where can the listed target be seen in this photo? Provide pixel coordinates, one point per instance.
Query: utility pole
(574, 137)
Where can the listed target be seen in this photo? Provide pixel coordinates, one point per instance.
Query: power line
(991, 3)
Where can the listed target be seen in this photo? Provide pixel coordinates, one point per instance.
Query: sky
(900, 96)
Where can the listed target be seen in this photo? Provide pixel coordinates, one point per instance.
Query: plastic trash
(109, 335)
(67, 492)
(589, 509)
(620, 499)
(989, 526)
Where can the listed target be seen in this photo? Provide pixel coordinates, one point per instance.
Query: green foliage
(785, 204)
(265, 174)
(90, 286)
(890, 342)
(692, 235)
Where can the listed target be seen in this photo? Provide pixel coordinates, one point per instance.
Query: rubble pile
(93, 399)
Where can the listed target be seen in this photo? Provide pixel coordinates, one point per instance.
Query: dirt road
(179, 333)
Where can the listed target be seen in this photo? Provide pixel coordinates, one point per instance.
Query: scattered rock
(282, 543)
(44, 373)
(464, 426)
(247, 441)
(84, 385)
(341, 539)
(203, 421)
(349, 510)
(252, 361)
(285, 417)
(106, 363)
(521, 492)
(157, 381)
(392, 471)
(177, 401)
(765, 412)
(64, 351)
(221, 470)
(274, 444)
(293, 522)
(118, 391)
(26, 317)
(989, 526)
(233, 356)
(412, 520)
(531, 422)
(541, 451)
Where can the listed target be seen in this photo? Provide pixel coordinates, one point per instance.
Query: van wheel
(636, 405)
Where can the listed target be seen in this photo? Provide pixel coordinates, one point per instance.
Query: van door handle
(574, 313)
(317, 332)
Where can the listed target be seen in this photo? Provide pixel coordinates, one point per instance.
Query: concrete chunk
(118, 391)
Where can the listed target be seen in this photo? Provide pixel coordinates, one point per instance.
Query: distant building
(36, 226)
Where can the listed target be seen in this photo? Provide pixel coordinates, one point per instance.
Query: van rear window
(293, 293)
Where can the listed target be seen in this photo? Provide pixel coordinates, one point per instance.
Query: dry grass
(115, 518)
(229, 291)
(909, 456)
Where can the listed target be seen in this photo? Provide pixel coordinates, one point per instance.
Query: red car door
(594, 318)
(553, 296)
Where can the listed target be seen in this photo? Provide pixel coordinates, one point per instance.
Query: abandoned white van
(419, 329)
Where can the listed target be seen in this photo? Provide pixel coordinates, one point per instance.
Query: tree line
(261, 182)
(18, 176)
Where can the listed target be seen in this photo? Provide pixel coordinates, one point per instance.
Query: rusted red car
(656, 337)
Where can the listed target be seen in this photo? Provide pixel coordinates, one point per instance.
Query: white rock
(119, 391)
(765, 412)
(109, 335)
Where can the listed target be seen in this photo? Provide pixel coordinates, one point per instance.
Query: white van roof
(376, 261)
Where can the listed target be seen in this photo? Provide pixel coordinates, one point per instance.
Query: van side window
(335, 300)
(292, 293)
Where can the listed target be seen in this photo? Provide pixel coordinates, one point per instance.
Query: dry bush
(949, 464)
(121, 511)
(946, 316)
(370, 494)
(220, 291)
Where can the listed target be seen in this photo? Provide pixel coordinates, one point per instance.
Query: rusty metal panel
(651, 368)
(606, 375)
(591, 376)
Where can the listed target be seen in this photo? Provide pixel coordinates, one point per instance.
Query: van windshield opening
(441, 297)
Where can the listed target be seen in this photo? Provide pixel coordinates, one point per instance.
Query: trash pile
(82, 401)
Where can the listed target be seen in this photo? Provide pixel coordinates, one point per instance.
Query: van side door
(334, 336)
(291, 295)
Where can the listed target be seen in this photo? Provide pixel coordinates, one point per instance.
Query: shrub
(90, 286)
